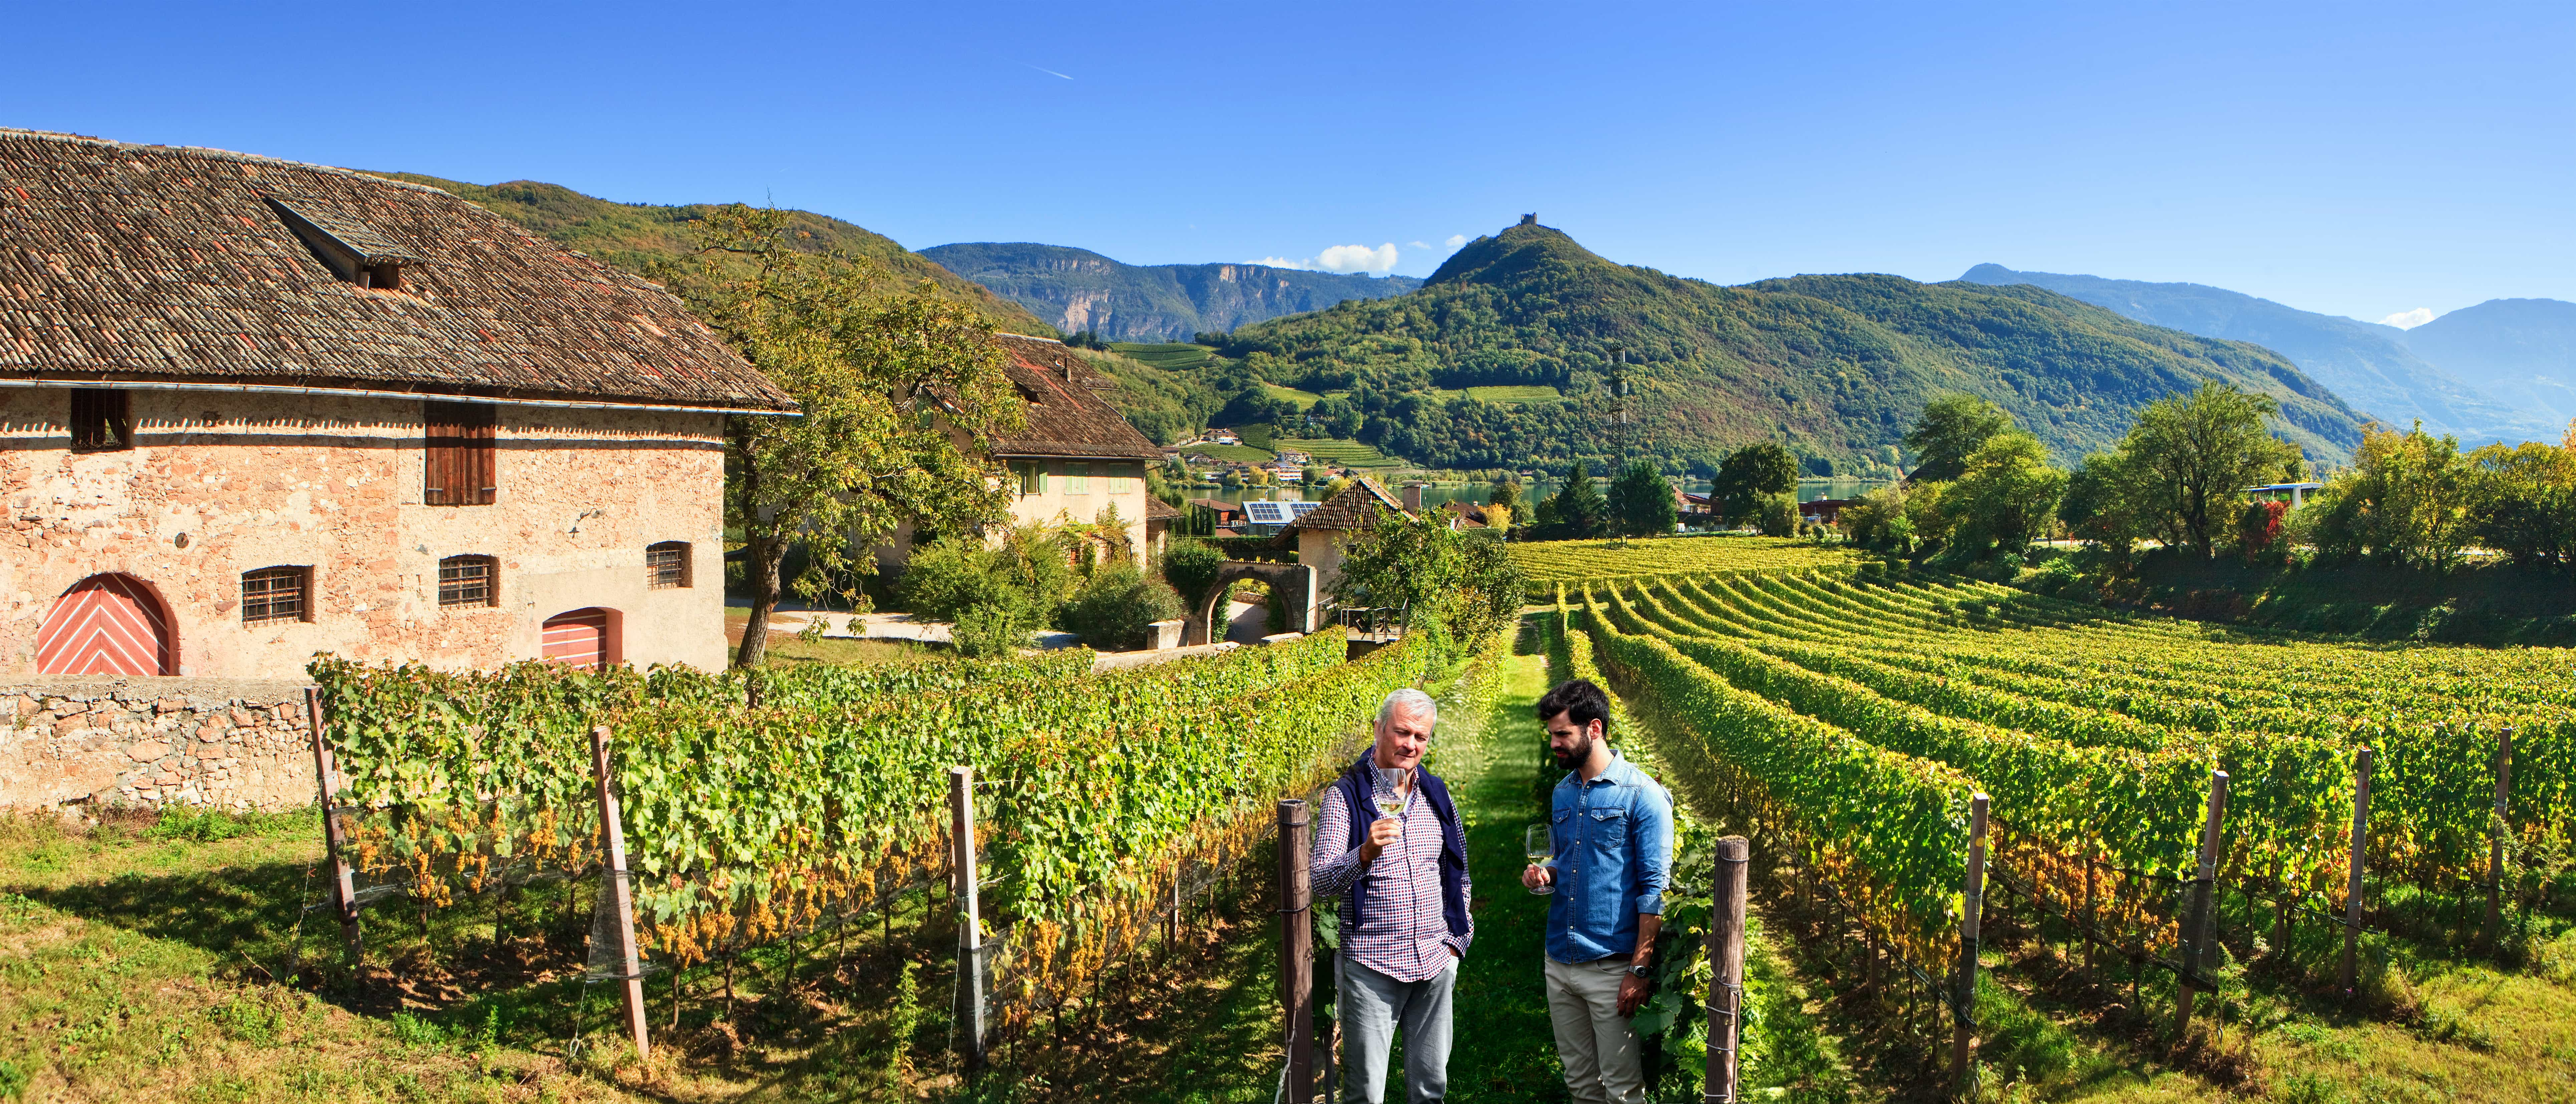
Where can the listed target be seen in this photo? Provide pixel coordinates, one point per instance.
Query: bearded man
(1613, 833)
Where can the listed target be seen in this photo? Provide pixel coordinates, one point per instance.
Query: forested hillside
(2373, 367)
(633, 236)
(1081, 291)
(1836, 366)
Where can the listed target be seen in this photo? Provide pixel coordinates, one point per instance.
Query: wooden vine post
(326, 776)
(1296, 949)
(1726, 991)
(970, 920)
(1972, 901)
(621, 891)
(2495, 845)
(2195, 928)
(2361, 761)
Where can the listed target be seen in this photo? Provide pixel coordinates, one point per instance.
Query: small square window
(666, 566)
(102, 420)
(276, 594)
(467, 581)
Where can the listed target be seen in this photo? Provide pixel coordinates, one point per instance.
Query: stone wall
(103, 742)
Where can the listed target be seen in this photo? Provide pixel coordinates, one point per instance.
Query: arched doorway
(1296, 581)
(582, 637)
(106, 625)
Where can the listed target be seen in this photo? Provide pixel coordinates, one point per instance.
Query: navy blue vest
(1357, 785)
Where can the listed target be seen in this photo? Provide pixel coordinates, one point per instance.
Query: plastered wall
(224, 483)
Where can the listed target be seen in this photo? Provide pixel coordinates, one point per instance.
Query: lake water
(1532, 490)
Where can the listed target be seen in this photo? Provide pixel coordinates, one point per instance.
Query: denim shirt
(1614, 855)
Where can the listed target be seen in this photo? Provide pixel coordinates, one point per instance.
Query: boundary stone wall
(102, 741)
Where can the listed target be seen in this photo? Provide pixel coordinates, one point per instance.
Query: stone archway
(1295, 582)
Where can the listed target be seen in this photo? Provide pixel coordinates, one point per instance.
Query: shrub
(1113, 610)
(948, 578)
(1778, 515)
(990, 629)
(1190, 567)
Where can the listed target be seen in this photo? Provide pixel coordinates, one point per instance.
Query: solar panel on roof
(1266, 513)
(1301, 509)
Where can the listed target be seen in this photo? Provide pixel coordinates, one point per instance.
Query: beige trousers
(1596, 1043)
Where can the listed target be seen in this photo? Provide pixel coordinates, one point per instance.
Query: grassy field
(1169, 356)
(1351, 454)
(1303, 399)
(1243, 453)
(1513, 395)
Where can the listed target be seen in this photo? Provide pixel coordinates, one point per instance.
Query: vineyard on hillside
(1551, 564)
(1846, 720)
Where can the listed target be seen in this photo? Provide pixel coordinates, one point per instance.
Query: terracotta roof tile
(1065, 417)
(165, 263)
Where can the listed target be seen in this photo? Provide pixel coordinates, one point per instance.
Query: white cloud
(1340, 258)
(1456, 240)
(1357, 258)
(1419, 244)
(2407, 320)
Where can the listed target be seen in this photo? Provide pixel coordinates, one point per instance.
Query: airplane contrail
(1047, 71)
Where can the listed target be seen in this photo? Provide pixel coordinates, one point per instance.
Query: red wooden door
(104, 625)
(579, 638)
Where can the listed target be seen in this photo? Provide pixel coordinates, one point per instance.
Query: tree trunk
(763, 557)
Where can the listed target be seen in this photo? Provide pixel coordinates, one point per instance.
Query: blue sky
(2354, 159)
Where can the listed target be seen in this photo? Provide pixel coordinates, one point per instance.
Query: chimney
(1413, 498)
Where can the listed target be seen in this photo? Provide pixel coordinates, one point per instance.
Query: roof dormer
(353, 250)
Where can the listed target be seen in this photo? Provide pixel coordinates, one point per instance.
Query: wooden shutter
(458, 468)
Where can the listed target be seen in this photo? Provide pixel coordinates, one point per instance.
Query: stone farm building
(252, 410)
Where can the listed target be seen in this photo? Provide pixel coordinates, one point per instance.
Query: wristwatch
(1641, 973)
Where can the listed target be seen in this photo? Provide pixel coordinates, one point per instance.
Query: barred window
(666, 565)
(102, 420)
(468, 581)
(276, 594)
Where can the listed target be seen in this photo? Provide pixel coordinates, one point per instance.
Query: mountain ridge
(1078, 290)
(2520, 350)
(1838, 365)
(2374, 367)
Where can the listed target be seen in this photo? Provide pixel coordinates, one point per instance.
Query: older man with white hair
(1388, 843)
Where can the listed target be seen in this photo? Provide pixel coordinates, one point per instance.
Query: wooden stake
(621, 893)
(2495, 846)
(970, 927)
(1296, 949)
(1726, 991)
(326, 777)
(1963, 1069)
(2195, 928)
(2091, 867)
(2360, 857)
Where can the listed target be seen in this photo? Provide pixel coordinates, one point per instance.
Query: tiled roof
(173, 264)
(1219, 505)
(1065, 417)
(1158, 510)
(1466, 511)
(1356, 507)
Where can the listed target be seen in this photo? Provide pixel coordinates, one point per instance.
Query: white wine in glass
(1542, 851)
(1389, 803)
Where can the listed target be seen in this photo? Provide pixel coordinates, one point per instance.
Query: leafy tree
(881, 380)
(1641, 503)
(1117, 607)
(1868, 521)
(1336, 417)
(1577, 510)
(1952, 426)
(2406, 496)
(1776, 515)
(2526, 501)
(1749, 475)
(1470, 587)
(2188, 458)
(2007, 495)
(1190, 567)
(1506, 493)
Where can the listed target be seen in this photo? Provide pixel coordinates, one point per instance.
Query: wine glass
(1541, 849)
(1389, 802)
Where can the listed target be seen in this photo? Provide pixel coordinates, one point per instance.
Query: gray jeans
(1370, 1006)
